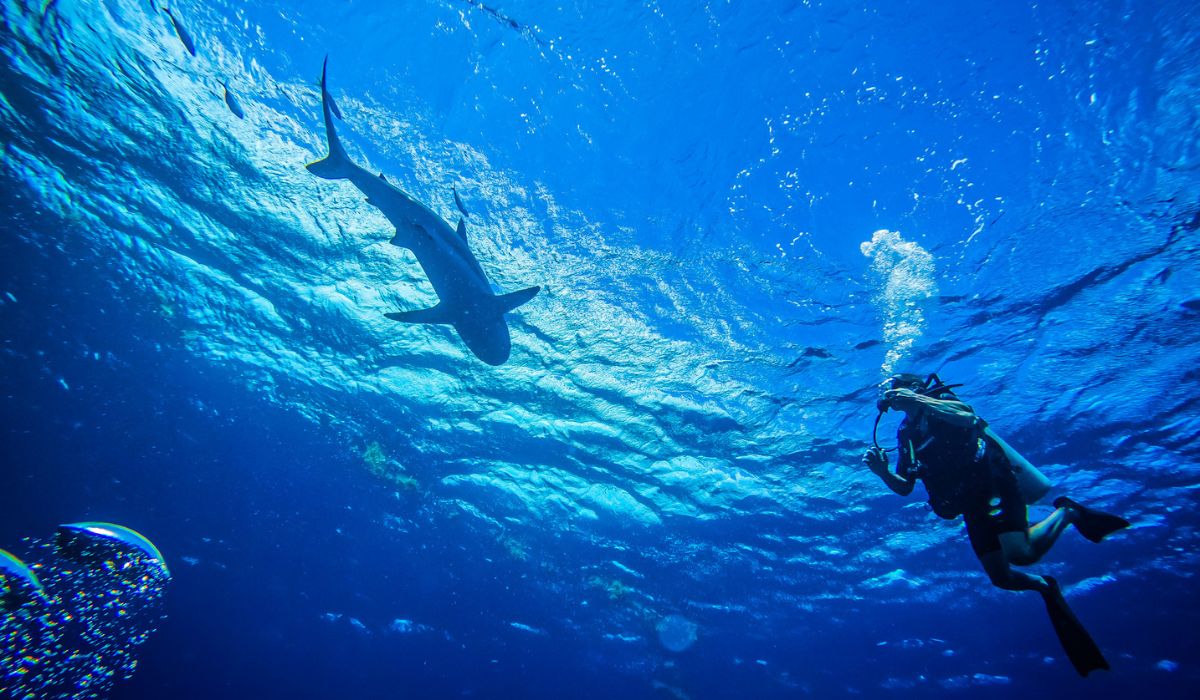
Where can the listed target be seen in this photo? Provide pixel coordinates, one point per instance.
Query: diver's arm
(898, 484)
(876, 460)
(955, 413)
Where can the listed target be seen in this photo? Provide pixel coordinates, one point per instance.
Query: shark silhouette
(466, 300)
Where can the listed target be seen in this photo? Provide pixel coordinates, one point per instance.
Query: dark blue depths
(192, 340)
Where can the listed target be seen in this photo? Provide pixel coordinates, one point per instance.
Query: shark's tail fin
(508, 302)
(337, 165)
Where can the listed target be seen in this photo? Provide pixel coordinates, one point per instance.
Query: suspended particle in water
(676, 633)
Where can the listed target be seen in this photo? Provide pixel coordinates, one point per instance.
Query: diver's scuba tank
(1033, 484)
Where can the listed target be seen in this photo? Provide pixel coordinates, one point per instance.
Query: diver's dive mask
(931, 386)
(901, 380)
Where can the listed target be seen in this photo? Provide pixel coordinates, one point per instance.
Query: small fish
(523, 29)
(459, 203)
(506, 21)
(231, 101)
(181, 31)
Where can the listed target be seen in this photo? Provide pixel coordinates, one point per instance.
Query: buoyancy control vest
(953, 462)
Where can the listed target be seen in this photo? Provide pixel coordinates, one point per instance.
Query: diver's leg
(1025, 547)
(995, 564)
(983, 529)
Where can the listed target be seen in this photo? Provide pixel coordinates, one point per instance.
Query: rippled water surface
(743, 215)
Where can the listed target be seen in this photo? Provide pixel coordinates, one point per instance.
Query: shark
(465, 297)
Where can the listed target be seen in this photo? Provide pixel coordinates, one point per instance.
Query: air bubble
(95, 603)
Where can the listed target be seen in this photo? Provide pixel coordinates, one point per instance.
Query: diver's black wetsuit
(967, 472)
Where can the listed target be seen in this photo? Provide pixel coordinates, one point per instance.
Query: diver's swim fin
(1092, 524)
(1085, 656)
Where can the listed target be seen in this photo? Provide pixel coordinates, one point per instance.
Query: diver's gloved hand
(876, 460)
(901, 399)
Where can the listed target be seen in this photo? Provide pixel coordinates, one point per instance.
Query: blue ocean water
(743, 216)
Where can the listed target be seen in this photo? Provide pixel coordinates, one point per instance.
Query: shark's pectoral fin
(408, 236)
(435, 314)
(508, 302)
(462, 230)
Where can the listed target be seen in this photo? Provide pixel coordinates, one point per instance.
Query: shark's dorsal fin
(462, 230)
(381, 177)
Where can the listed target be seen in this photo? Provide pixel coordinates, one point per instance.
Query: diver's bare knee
(1024, 558)
(995, 565)
(1018, 550)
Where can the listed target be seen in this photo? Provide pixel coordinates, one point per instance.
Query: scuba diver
(968, 470)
